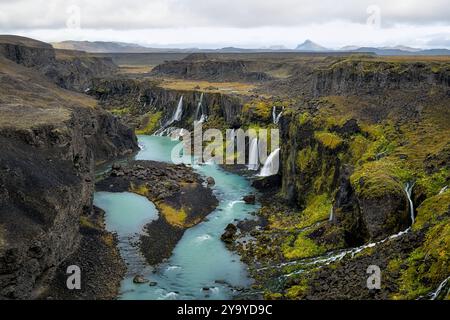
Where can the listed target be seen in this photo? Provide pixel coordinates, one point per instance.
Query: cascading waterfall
(272, 164)
(275, 117)
(166, 129)
(253, 157)
(331, 214)
(438, 291)
(203, 117)
(340, 254)
(178, 112)
(443, 190)
(408, 190)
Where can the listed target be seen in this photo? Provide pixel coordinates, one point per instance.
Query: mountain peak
(309, 45)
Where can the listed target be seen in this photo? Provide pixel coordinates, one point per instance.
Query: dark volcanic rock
(210, 181)
(267, 183)
(50, 140)
(139, 279)
(249, 199)
(175, 189)
(69, 70)
(230, 232)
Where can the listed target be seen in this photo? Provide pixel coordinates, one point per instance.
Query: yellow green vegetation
(378, 178)
(422, 277)
(140, 189)
(272, 295)
(432, 210)
(176, 217)
(301, 247)
(432, 184)
(120, 111)
(108, 239)
(357, 147)
(297, 291)
(261, 109)
(328, 139)
(306, 157)
(149, 123)
(318, 209)
(87, 223)
(304, 118)
(428, 265)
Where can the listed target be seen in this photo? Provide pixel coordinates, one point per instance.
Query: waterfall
(443, 190)
(331, 214)
(165, 129)
(203, 117)
(253, 157)
(441, 286)
(271, 165)
(408, 191)
(178, 112)
(275, 117)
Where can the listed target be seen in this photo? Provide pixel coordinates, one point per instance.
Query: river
(200, 266)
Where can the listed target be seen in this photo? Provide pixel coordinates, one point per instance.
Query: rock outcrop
(194, 67)
(68, 69)
(51, 139)
(141, 102)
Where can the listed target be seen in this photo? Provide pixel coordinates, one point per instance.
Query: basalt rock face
(46, 178)
(315, 162)
(50, 140)
(143, 99)
(231, 70)
(69, 70)
(305, 159)
(372, 77)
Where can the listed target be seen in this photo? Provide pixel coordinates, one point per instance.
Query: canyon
(364, 152)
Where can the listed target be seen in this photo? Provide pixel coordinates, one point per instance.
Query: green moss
(150, 123)
(302, 247)
(358, 147)
(86, 222)
(306, 157)
(272, 295)
(318, 209)
(297, 291)
(428, 265)
(432, 210)
(379, 178)
(304, 118)
(432, 184)
(328, 139)
(120, 112)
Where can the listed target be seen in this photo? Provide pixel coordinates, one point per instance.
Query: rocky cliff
(68, 69)
(147, 105)
(51, 139)
(201, 67)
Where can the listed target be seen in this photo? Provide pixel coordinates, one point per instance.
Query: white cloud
(232, 22)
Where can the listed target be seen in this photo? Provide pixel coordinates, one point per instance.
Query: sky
(240, 23)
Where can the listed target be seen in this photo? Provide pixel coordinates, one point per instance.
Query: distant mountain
(308, 45)
(278, 47)
(403, 48)
(396, 51)
(99, 46)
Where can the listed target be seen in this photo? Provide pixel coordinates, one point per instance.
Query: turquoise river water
(200, 266)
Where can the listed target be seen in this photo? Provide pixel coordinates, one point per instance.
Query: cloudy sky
(244, 23)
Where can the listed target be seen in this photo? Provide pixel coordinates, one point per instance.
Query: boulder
(138, 279)
(249, 199)
(229, 233)
(210, 181)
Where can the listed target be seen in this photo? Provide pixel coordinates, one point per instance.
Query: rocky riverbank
(180, 195)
